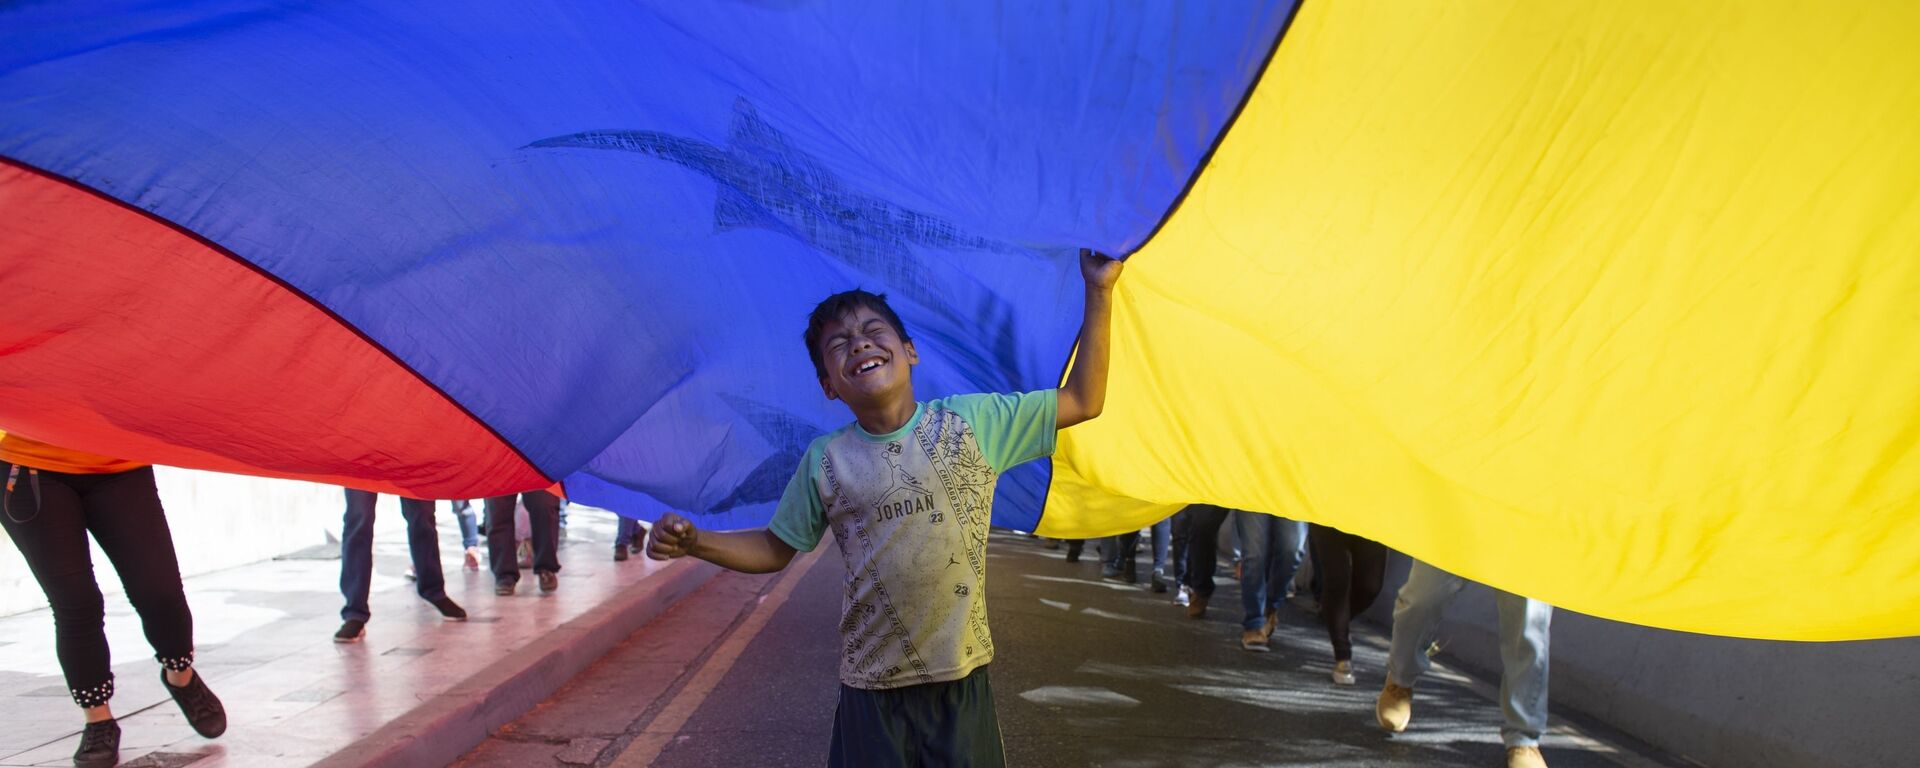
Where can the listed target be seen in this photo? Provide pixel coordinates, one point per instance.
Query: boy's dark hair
(838, 306)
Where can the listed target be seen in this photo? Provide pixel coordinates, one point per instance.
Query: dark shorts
(934, 724)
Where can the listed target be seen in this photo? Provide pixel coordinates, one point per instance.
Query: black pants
(543, 516)
(1179, 532)
(1354, 568)
(122, 511)
(931, 724)
(1203, 545)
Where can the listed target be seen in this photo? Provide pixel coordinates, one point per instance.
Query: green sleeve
(800, 520)
(1011, 429)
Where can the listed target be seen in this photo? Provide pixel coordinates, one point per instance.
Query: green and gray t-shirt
(910, 511)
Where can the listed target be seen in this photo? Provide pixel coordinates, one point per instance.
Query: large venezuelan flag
(1609, 304)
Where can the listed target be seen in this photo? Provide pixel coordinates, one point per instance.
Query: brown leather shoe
(1273, 623)
(1197, 606)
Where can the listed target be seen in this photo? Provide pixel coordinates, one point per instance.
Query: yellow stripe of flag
(1616, 305)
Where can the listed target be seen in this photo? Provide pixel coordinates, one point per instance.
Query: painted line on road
(660, 732)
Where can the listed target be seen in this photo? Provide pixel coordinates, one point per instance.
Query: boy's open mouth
(868, 365)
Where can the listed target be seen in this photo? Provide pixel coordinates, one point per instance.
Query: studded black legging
(1354, 568)
(49, 521)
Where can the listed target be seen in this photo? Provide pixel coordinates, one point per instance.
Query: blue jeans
(1270, 553)
(469, 527)
(1161, 532)
(626, 533)
(1524, 624)
(356, 552)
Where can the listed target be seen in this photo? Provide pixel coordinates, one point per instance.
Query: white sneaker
(473, 558)
(1343, 673)
(1184, 597)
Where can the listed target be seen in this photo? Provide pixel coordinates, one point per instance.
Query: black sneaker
(351, 631)
(201, 707)
(549, 581)
(1159, 585)
(99, 745)
(449, 610)
(619, 553)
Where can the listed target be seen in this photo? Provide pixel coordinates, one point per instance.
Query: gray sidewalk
(418, 691)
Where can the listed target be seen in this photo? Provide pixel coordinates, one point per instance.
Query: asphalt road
(1089, 672)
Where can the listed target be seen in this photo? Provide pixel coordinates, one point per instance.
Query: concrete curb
(450, 724)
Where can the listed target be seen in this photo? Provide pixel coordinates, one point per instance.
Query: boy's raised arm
(756, 551)
(1085, 392)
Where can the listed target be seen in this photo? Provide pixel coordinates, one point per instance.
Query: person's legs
(954, 723)
(46, 521)
(124, 513)
(1315, 586)
(1120, 554)
(1160, 533)
(356, 554)
(1336, 581)
(469, 527)
(543, 516)
(423, 543)
(1416, 621)
(1524, 626)
(1203, 548)
(1369, 572)
(501, 542)
(869, 730)
(624, 531)
(1180, 528)
(1129, 555)
(1289, 545)
(1258, 546)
